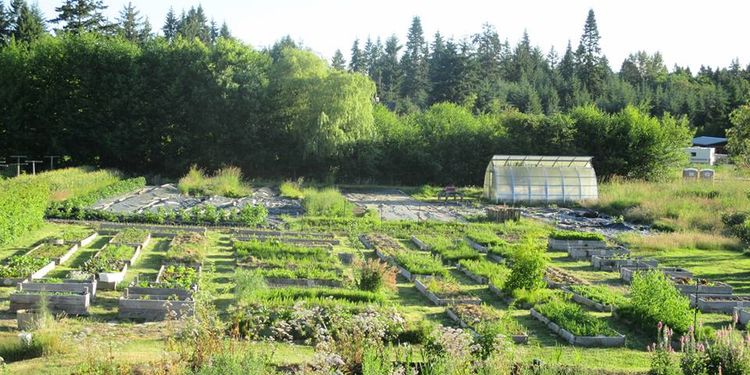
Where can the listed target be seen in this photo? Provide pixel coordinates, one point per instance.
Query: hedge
(22, 207)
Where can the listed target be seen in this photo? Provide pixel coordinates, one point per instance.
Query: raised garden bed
(585, 341)
(174, 274)
(477, 246)
(470, 316)
(566, 241)
(614, 263)
(743, 315)
(56, 301)
(310, 242)
(110, 264)
(589, 298)
(445, 299)
(59, 253)
(720, 303)
(688, 286)
(132, 237)
(23, 268)
(557, 278)
(66, 285)
(155, 304)
(478, 279)
(420, 244)
(608, 252)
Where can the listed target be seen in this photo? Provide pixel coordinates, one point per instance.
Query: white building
(702, 155)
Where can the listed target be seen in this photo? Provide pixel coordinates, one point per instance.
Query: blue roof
(708, 141)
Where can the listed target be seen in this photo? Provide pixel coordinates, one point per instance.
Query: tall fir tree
(388, 91)
(415, 84)
(81, 16)
(591, 67)
(357, 60)
(446, 72)
(214, 33)
(373, 57)
(6, 24)
(131, 26)
(29, 24)
(224, 31)
(171, 25)
(338, 62)
(194, 24)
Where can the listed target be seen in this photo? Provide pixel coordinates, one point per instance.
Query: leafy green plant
(22, 266)
(655, 299)
(174, 276)
(451, 251)
(252, 214)
(527, 271)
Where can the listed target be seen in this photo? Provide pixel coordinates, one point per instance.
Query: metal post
(52, 160)
(695, 312)
(18, 163)
(33, 165)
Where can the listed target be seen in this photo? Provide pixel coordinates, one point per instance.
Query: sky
(688, 32)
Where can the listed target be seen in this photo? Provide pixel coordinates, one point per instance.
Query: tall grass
(675, 204)
(226, 182)
(681, 240)
(292, 190)
(326, 202)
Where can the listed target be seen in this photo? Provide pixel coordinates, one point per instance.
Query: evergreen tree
(446, 71)
(29, 23)
(414, 65)
(170, 25)
(82, 16)
(357, 61)
(391, 72)
(224, 32)
(338, 62)
(373, 57)
(194, 24)
(6, 24)
(131, 26)
(214, 31)
(591, 69)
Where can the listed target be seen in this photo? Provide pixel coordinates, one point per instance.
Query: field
(343, 283)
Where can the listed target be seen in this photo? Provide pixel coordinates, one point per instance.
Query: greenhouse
(548, 179)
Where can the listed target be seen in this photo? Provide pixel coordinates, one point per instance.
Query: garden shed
(547, 179)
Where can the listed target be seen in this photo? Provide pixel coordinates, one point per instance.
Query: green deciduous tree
(739, 135)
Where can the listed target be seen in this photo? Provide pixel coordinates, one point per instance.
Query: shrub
(574, 235)
(655, 299)
(328, 202)
(253, 214)
(247, 283)
(527, 271)
(374, 276)
(291, 190)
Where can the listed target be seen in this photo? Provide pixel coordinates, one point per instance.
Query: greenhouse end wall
(540, 179)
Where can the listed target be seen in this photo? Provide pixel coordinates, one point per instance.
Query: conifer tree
(29, 22)
(356, 62)
(224, 31)
(131, 26)
(170, 25)
(414, 66)
(81, 16)
(338, 62)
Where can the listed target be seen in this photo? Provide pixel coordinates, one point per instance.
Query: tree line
(118, 95)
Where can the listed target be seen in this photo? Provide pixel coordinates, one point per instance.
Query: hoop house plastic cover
(549, 179)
